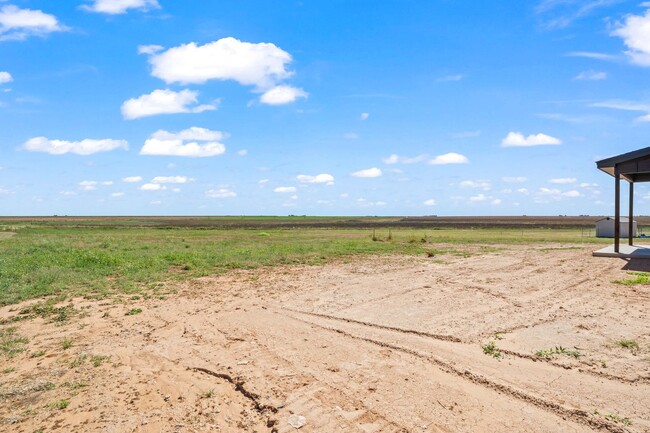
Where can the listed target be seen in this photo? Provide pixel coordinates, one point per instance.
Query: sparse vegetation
(47, 310)
(209, 393)
(59, 405)
(98, 360)
(618, 419)
(492, 350)
(10, 343)
(629, 344)
(66, 344)
(133, 312)
(37, 354)
(639, 278)
(556, 351)
(78, 360)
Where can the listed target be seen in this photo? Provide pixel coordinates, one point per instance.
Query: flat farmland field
(342, 324)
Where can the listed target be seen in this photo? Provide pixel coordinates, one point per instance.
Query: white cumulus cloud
(283, 94)
(285, 189)
(364, 116)
(132, 179)
(152, 187)
(319, 178)
(5, 77)
(194, 142)
(115, 7)
(449, 158)
(369, 172)
(18, 24)
(517, 139)
(430, 202)
(83, 147)
(251, 64)
(220, 193)
(635, 32)
(164, 101)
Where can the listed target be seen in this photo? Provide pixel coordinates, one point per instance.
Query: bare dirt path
(383, 344)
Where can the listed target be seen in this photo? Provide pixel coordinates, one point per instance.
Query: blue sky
(337, 107)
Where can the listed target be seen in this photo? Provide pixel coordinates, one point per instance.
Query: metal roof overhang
(632, 166)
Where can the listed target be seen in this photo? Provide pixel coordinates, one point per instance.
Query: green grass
(639, 278)
(66, 344)
(50, 258)
(133, 312)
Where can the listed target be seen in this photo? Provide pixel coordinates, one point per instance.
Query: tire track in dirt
(441, 337)
(452, 339)
(579, 416)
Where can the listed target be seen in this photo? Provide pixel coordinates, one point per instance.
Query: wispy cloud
(593, 55)
(621, 104)
(448, 78)
(591, 76)
(558, 14)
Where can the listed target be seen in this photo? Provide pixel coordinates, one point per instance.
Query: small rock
(297, 421)
(243, 362)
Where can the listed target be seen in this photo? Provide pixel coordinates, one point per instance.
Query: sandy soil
(383, 344)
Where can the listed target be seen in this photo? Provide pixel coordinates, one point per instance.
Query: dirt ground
(380, 344)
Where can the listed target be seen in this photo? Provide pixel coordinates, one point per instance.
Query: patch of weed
(66, 344)
(98, 360)
(618, 419)
(209, 393)
(37, 354)
(59, 405)
(133, 312)
(558, 350)
(75, 385)
(492, 350)
(78, 360)
(9, 370)
(629, 344)
(48, 311)
(10, 343)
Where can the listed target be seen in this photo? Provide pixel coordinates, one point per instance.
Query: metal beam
(630, 223)
(617, 208)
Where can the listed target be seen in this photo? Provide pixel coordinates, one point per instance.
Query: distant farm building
(605, 227)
